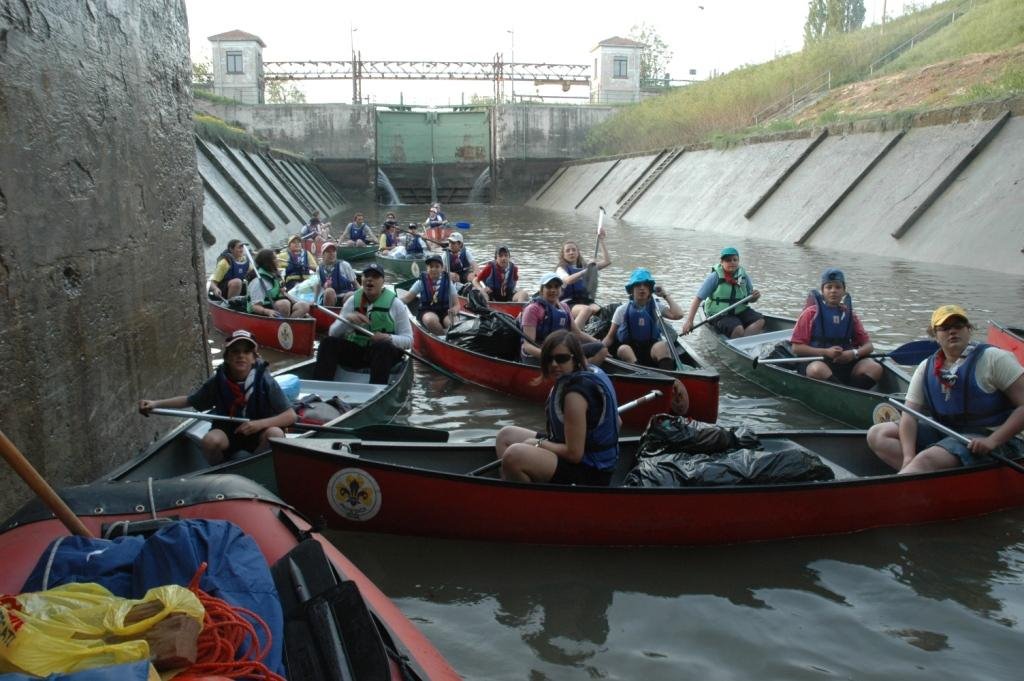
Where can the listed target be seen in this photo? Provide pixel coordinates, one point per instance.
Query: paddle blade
(463, 225)
(914, 352)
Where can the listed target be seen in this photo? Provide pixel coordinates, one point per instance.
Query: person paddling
(243, 387)
(232, 271)
(337, 279)
(636, 333)
(975, 389)
(829, 328)
(498, 278)
(573, 271)
(415, 246)
(438, 296)
(581, 443)
(727, 284)
(546, 314)
(357, 232)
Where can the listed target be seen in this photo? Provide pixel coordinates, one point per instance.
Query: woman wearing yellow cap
(975, 389)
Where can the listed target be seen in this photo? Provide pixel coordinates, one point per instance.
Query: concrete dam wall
(948, 188)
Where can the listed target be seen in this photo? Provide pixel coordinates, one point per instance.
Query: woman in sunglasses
(581, 445)
(975, 389)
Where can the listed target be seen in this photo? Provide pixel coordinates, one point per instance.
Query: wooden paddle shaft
(17, 461)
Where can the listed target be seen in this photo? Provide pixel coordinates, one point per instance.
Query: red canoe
(288, 335)
(509, 308)
(424, 489)
(1007, 338)
(517, 379)
(274, 526)
(323, 320)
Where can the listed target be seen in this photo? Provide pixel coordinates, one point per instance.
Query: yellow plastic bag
(70, 627)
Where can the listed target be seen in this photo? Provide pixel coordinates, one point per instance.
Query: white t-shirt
(996, 369)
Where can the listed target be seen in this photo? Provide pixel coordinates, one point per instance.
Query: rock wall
(101, 266)
(946, 187)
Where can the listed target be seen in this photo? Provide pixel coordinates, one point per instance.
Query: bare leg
(214, 444)
(626, 354)
(526, 463)
(884, 441)
(300, 310)
(234, 288)
(931, 459)
(510, 435)
(432, 323)
(754, 328)
(520, 296)
(267, 434)
(330, 297)
(819, 370)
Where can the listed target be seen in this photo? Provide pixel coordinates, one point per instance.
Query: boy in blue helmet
(636, 334)
(727, 284)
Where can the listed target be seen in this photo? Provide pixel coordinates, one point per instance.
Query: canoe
(279, 532)
(401, 268)
(1007, 338)
(421, 489)
(698, 377)
(287, 335)
(517, 379)
(509, 308)
(853, 406)
(178, 453)
(350, 253)
(323, 319)
(438, 233)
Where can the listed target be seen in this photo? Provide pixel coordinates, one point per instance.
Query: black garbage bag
(599, 323)
(475, 300)
(739, 467)
(492, 333)
(667, 434)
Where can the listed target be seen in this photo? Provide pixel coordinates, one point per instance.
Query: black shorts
(568, 473)
(238, 443)
(642, 350)
(440, 315)
(726, 324)
(840, 372)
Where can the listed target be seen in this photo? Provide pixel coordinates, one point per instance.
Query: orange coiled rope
(226, 629)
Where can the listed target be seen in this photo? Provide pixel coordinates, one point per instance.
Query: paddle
(442, 244)
(592, 277)
(27, 472)
(952, 433)
(408, 353)
(382, 431)
(721, 313)
(621, 410)
(463, 225)
(913, 352)
(668, 338)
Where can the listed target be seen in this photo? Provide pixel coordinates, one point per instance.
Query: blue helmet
(639, 276)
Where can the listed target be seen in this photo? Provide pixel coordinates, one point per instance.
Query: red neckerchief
(238, 405)
(729, 279)
(940, 360)
(431, 293)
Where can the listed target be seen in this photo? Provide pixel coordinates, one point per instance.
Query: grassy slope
(725, 106)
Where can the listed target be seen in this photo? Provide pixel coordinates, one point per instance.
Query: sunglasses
(561, 358)
(951, 326)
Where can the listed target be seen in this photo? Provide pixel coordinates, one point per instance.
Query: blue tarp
(132, 671)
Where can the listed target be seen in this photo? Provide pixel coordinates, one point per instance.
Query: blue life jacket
(238, 270)
(640, 325)
(297, 268)
(577, 291)
(415, 245)
(459, 265)
(435, 299)
(257, 404)
(390, 239)
(333, 278)
(502, 286)
(555, 318)
(968, 405)
(833, 325)
(436, 221)
(357, 232)
(601, 450)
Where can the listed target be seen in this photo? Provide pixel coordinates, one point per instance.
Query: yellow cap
(944, 312)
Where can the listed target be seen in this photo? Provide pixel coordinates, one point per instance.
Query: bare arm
(147, 406)
(908, 434)
(282, 420)
(1011, 426)
(609, 338)
(690, 314)
(606, 258)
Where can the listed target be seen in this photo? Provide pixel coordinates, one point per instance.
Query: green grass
(199, 93)
(724, 108)
(212, 129)
(1009, 84)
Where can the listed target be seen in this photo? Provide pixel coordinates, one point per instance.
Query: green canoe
(853, 406)
(401, 268)
(352, 253)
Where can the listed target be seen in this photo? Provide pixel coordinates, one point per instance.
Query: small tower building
(616, 71)
(238, 66)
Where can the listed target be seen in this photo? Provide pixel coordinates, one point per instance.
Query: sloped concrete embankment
(260, 198)
(946, 188)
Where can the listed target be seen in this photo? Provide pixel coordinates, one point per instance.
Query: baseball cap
(455, 236)
(374, 268)
(548, 278)
(329, 244)
(729, 250)
(833, 274)
(433, 257)
(294, 237)
(944, 312)
(238, 336)
(414, 225)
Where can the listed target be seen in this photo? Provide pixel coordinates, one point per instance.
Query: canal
(942, 601)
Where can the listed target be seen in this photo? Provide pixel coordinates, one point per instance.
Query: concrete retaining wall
(948, 188)
(100, 256)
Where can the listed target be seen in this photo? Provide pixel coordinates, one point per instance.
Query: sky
(706, 35)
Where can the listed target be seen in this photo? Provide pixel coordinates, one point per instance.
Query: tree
(829, 17)
(284, 92)
(655, 55)
(202, 73)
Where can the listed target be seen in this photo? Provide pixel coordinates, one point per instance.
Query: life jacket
(333, 278)
(555, 318)
(833, 325)
(272, 289)
(236, 270)
(502, 285)
(379, 314)
(601, 450)
(640, 325)
(435, 221)
(357, 232)
(459, 265)
(414, 245)
(967, 404)
(390, 239)
(577, 291)
(249, 401)
(297, 268)
(435, 298)
(725, 294)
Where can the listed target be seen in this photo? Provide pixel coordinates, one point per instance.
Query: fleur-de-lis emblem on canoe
(354, 494)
